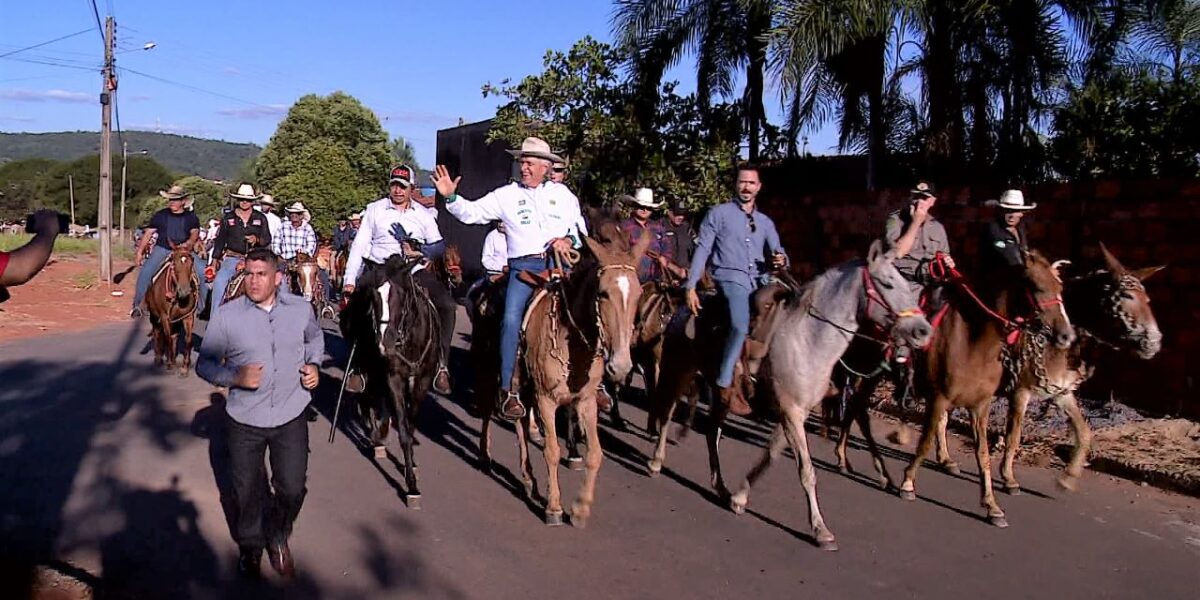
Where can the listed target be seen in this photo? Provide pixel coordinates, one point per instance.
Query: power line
(58, 39)
(53, 64)
(193, 88)
(99, 26)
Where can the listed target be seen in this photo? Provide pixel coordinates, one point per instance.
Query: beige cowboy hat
(267, 199)
(1011, 200)
(298, 207)
(356, 216)
(537, 148)
(175, 193)
(643, 198)
(245, 192)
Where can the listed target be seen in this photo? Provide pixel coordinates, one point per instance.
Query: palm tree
(1167, 36)
(725, 36)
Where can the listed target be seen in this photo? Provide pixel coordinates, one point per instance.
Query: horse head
(617, 295)
(307, 271)
(452, 264)
(891, 302)
(181, 271)
(1113, 305)
(1045, 288)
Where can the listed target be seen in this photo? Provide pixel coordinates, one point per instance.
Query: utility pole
(108, 88)
(71, 186)
(124, 164)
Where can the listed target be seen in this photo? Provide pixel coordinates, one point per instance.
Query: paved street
(112, 471)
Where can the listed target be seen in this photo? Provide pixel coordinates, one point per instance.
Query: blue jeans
(738, 297)
(515, 302)
(221, 281)
(159, 255)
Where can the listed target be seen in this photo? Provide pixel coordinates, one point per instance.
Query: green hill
(211, 159)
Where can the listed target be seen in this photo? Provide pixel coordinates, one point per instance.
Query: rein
(940, 271)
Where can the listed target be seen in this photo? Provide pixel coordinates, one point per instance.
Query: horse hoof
(909, 495)
(535, 436)
(413, 501)
(1067, 483)
(620, 425)
(738, 506)
(829, 545)
(1012, 490)
(554, 519)
(575, 463)
(952, 468)
(843, 469)
(654, 467)
(998, 521)
(380, 452)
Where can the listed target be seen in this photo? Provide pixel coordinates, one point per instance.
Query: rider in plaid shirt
(296, 235)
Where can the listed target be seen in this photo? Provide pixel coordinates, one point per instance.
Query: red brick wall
(1143, 223)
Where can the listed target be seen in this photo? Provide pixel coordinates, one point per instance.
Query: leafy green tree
(144, 178)
(208, 198)
(582, 109)
(404, 153)
(21, 183)
(330, 152)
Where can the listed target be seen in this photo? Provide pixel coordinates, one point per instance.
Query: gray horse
(807, 337)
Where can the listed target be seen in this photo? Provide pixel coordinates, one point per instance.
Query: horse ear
(598, 249)
(1111, 261)
(1144, 274)
(875, 251)
(1056, 268)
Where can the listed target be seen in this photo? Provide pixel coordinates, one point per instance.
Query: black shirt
(1000, 249)
(173, 228)
(681, 240)
(232, 234)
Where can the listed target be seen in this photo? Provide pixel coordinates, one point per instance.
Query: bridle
(873, 296)
(1112, 292)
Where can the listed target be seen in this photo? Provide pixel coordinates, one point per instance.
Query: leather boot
(734, 401)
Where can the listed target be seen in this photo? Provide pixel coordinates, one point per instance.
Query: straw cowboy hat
(175, 193)
(267, 199)
(245, 192)
(643, 198)
(298, 207)
(1011, 200)
(356, 216)
(537, 148)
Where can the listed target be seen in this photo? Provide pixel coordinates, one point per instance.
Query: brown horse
(337, 269)
(171, 301)
(577, 331)
(1110, 310)
(305, 281)
(965, 364)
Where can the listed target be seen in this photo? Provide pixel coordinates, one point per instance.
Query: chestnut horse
(304, 279)
(1110, 310)
(171, 301)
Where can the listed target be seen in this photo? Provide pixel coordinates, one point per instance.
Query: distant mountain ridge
(211, 159)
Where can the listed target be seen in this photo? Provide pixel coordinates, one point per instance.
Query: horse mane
(803, 298)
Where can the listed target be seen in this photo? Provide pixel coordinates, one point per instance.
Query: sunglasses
(750, 220)
(559, 170)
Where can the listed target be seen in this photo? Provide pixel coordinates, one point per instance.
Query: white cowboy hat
(537, 148)
(267, 199)
(643, 198)
(1011, 200)
(356, 216)
(245, 192)
(175, 193)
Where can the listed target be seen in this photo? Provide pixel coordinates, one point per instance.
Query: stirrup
(355, 382)
(514, 396)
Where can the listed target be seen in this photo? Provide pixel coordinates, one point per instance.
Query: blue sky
(235, 67)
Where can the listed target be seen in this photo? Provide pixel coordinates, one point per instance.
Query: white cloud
(20, 95)
(259, 111)
(232, 71)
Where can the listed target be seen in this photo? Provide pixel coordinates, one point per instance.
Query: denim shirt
(740, 253)
(282, 340)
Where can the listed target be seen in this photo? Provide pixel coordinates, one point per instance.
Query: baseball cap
(403, 174)
(923, 190)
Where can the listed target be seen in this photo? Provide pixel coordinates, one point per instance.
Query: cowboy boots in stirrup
(735, 401)
(441, 381)
(511, 408)
(603, 399)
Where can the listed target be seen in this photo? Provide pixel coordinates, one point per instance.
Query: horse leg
(156, 337)
(714, 449)
(857, 403)
(523, 463)
(933, 414)
(979, 425)
(1012, 438)
(406, 432)
(574, 422)
(550, 450)
(660, 444)
(582, 509)
(188, 324)
(945, 461)
(1083, 440)
(863, 418)
(738, 501)
(793, 423)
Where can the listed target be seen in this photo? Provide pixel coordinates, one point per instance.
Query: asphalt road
(112, 471)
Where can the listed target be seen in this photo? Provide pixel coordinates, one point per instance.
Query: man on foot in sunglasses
(744, 248)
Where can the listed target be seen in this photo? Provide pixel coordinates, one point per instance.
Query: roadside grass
(67, 246)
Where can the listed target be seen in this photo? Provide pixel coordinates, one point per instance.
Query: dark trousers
(265, 513)
(443, 302)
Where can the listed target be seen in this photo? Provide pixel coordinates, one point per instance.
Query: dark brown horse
(1111, 311)
(171, 302)
(965, 363)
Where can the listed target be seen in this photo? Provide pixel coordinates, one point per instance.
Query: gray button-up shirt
(738, 243)
(281, 339)
(931, 239)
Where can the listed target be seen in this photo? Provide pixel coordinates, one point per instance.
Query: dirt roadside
(67, 296)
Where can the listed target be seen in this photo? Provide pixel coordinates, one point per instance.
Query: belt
(232, 253)
(538, 255)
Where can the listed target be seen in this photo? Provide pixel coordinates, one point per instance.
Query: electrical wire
(58, 39)
(99, 26)
(193, 88)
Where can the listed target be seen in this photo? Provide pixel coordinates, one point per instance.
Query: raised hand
(442, 181)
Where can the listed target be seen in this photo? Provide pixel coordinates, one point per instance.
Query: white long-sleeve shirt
(273, 224)
(495, 251)
(532, 217)
(379, 236)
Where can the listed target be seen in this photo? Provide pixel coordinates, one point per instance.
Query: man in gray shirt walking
(266, 348)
